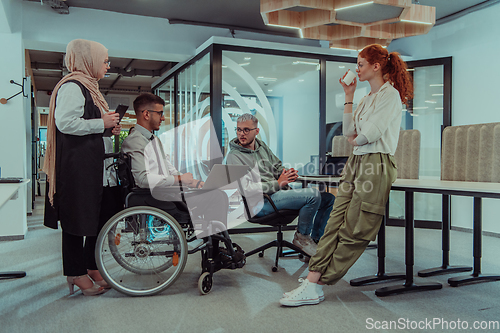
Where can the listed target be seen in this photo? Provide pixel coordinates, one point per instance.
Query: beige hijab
(83, 59)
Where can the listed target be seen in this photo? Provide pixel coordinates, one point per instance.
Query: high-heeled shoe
(92, 291)
(103, 284)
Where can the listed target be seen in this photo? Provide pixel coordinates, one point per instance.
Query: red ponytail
(393, 69)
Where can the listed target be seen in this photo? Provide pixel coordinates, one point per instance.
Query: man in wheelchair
(202, 212)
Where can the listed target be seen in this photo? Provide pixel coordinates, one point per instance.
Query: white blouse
(378, 118)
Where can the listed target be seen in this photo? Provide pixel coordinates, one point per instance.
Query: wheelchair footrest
(237, 260)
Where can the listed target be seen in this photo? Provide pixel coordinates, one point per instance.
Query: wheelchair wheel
(205, 283)
(141, 251)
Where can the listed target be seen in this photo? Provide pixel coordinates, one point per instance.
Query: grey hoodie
(266, 167)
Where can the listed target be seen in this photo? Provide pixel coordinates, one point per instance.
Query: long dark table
(476, 190)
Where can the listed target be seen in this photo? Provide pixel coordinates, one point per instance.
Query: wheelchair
(142, 250)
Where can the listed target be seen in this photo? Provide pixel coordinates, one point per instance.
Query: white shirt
(145, 161)
(70, 104)
(378, 118)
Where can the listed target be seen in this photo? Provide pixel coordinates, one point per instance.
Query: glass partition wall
(282, 92)
(295, 95)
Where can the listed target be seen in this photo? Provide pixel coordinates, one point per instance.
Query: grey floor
(246, 300)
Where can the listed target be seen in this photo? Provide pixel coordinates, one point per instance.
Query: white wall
(10, 16)
(472, 42)
(13, 134)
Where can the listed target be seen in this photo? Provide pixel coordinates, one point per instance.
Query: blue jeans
(314, 208)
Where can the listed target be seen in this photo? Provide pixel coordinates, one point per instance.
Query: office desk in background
(477, 190)
(7, 192)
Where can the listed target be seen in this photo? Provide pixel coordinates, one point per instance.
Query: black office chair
(277, 219)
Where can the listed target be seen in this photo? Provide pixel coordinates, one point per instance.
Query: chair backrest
(407, 154)
(471, 153)
(122, 165)
(340, 146)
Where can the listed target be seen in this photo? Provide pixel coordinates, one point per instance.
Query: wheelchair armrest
(140, 190)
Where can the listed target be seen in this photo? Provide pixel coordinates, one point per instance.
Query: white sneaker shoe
(305, 243)
(305, 294)
(319, 290)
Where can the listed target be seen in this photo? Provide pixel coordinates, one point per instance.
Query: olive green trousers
(356, 216)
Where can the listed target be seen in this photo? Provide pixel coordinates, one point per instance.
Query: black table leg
(381, 275)
(445, 268)
(12, 275)
(477, 252)
(409, 286)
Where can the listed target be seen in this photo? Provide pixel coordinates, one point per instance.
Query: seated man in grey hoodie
(273, 179)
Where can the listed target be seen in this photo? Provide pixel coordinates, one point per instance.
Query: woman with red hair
(373, 130)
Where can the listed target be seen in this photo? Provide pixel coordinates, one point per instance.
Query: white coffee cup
(349, 77)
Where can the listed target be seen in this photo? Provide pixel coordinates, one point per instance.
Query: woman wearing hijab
(80, 194)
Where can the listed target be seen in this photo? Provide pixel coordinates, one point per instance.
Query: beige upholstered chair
(340, 146)
(407, 154)
(470, 154)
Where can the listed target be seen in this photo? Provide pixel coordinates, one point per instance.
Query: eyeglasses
(244, 130)
(108, 63)
(160, 112)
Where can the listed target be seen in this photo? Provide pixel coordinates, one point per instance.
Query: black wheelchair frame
(142, 250)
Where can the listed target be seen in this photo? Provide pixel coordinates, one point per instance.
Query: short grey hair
(248, 116)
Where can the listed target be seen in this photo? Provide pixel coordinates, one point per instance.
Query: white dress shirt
(145, 161)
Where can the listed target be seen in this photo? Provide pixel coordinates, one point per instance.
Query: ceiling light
(359, 4)
(343, 48)
(301, 80)
(269, 79)
(437, 94)
(248, 58)
(438, 108)
(341, 66)
(286, 26)
(433, 102)
(436, 85)
(304, 63)
(410, 69)
(417, 22)
(270, 90)
(420, 108)
(244, 64)
(224, 66)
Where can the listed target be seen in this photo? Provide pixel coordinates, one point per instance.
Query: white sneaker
(305, 243)
(319, 290)
(305, 294)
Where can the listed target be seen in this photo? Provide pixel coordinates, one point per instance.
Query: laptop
(225, 176)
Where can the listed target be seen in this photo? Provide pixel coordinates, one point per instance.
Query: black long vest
(79, 178)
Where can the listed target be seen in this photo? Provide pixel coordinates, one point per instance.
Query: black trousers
(78, 252)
